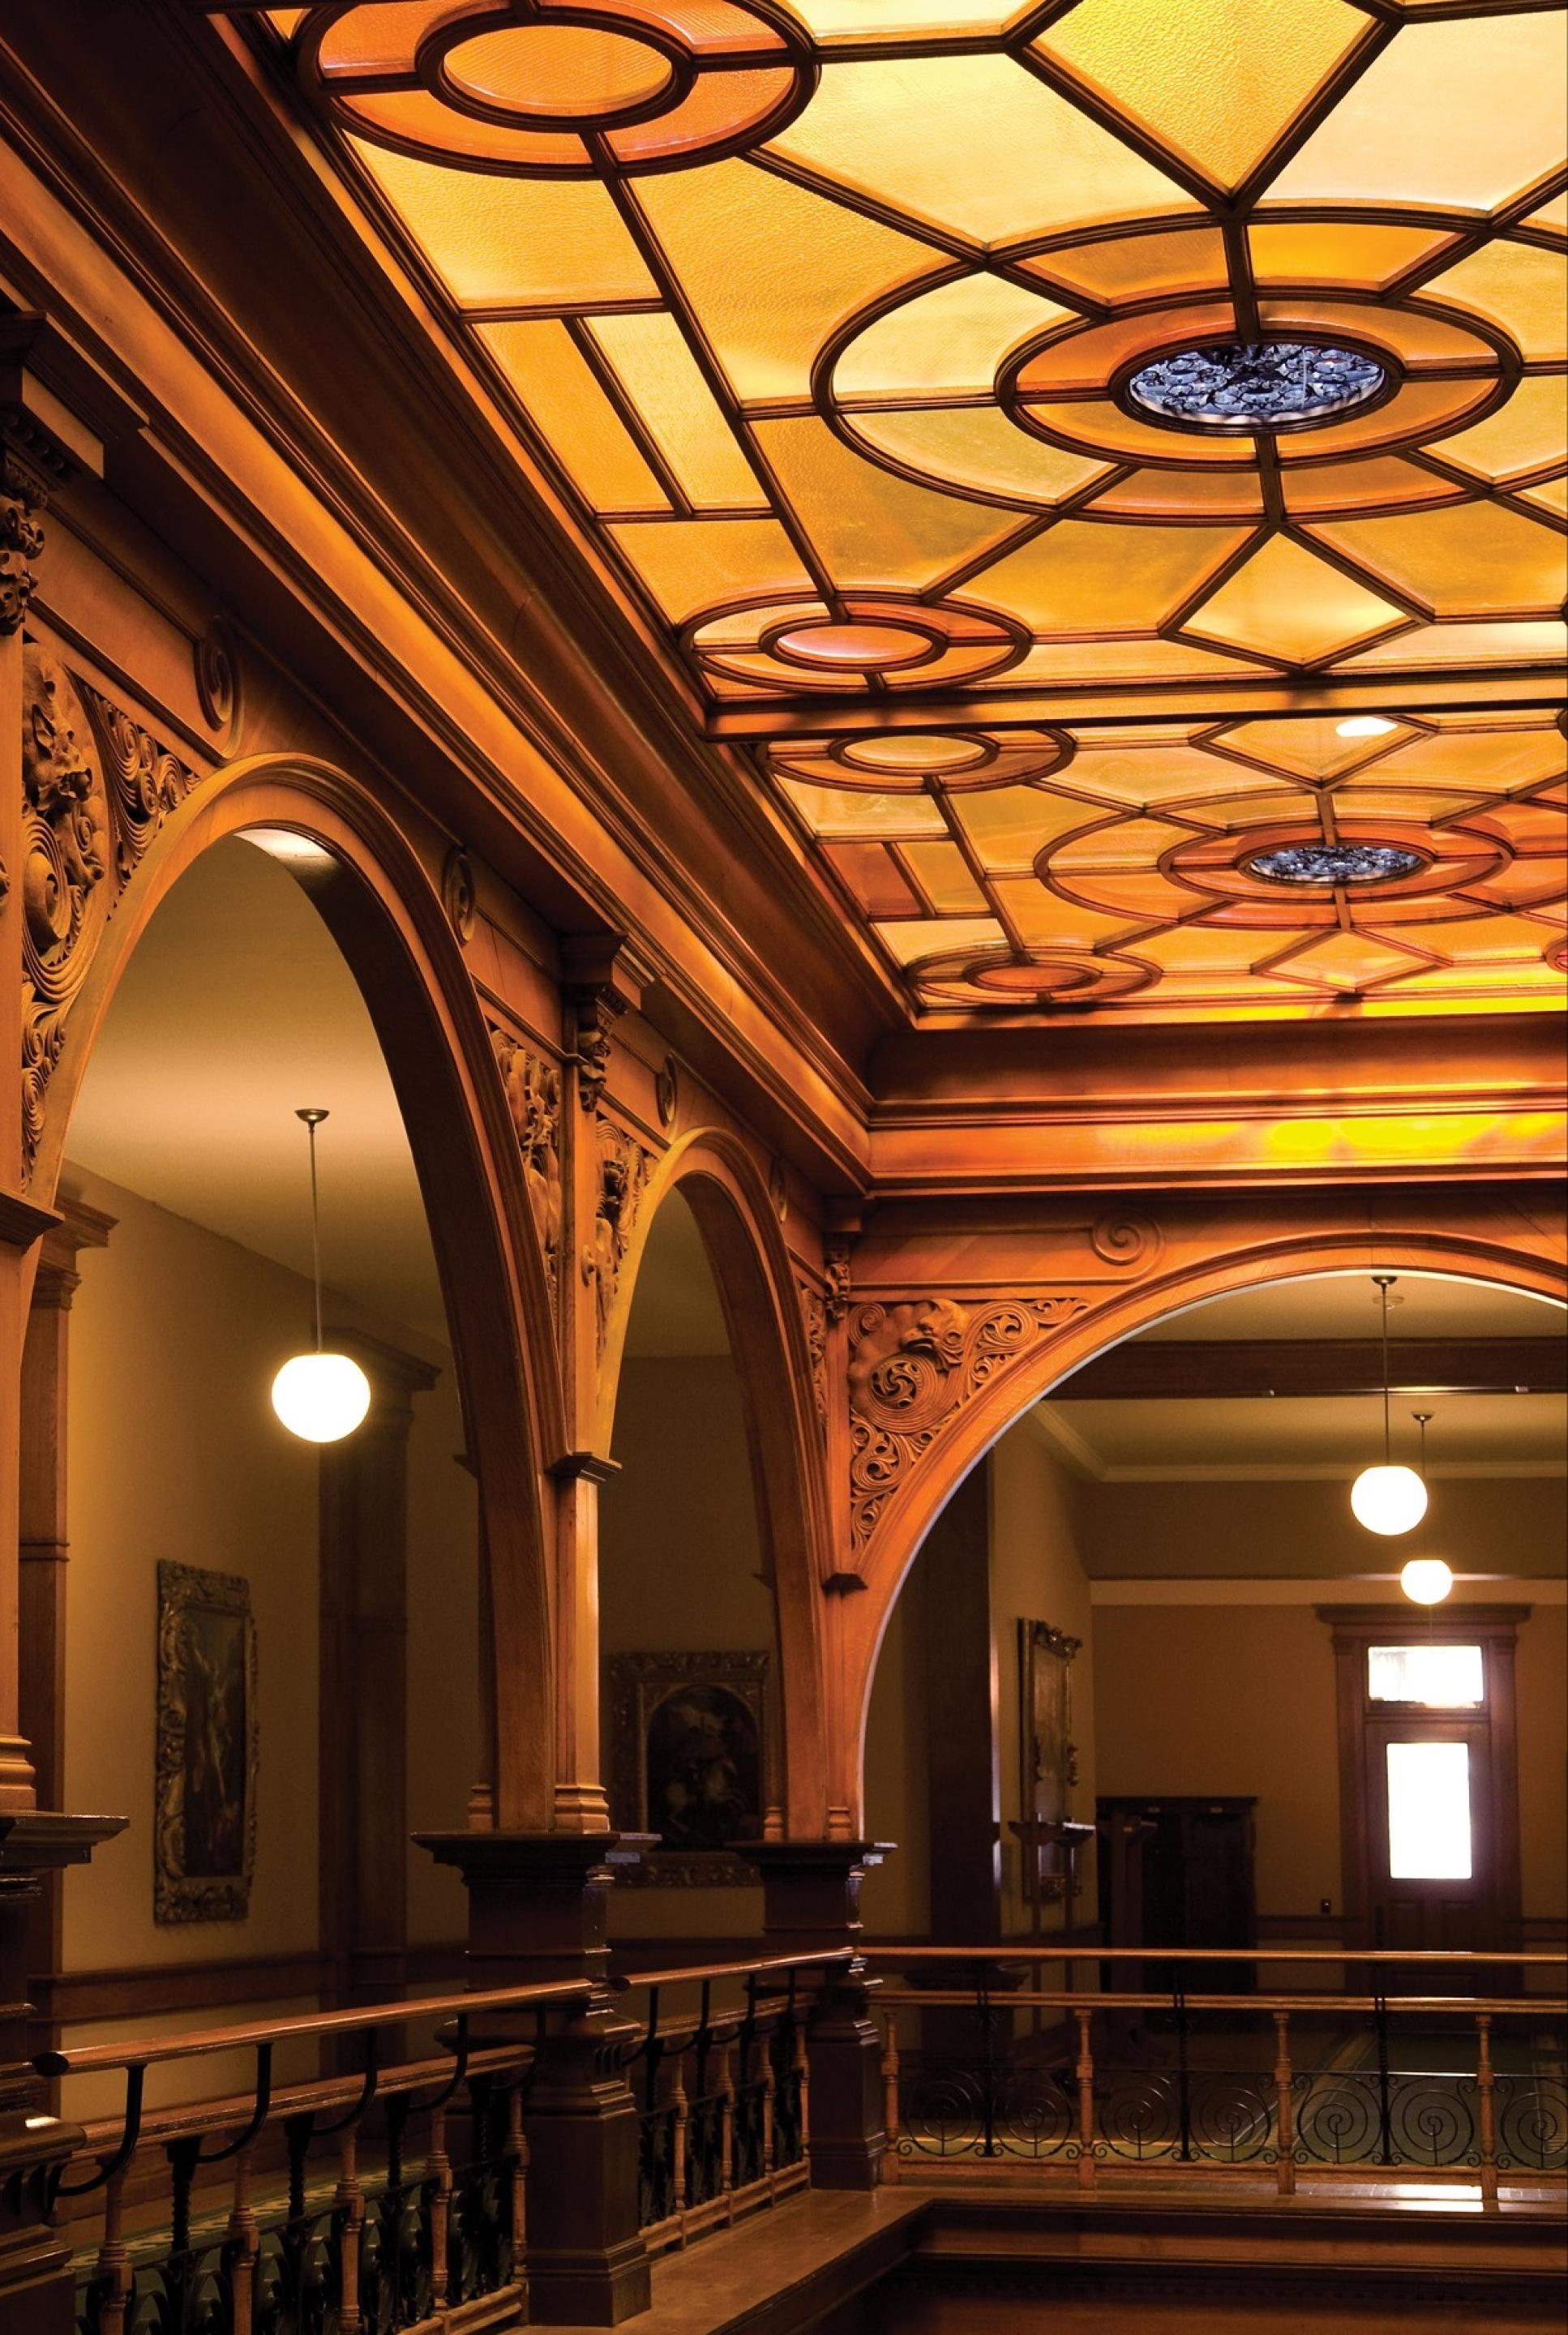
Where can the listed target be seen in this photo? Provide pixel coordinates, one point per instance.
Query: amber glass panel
(1139, 266)
(1476, 559)
(942, 872)
(688, 565)
(1096, 424)
(955, 337)
(1338, 251)
(907, 133)
(868, 527)
(1203, 947)
(1542, 643)
(1052, 663)
(1517, 285)
(1310, 748)
(722, 105)
(377, 38)
(1285, 603)
(416, 117)
(1010, 826)
(1379, 485)
(1348, 960)
(907, 942)
(567, 405)
(1075, 578)
(1140, 775)
(1525, 435)
(1217, 80)
(828, 811)
(736, 236)
(1486, 758)
(1047, 921)
(1088, 360)
(1463, 114)
(1552, 495)
(572, 71)
(891, 20)
(1417, 408)
(979, 447)
(1419, 342)
(661, 379)
(715, 28)
(512, 242)
(874, 878)
(1177, 494)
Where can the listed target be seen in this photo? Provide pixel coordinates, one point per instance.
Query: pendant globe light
(319, 1397)
(1388, 1499)
(1426, 1580)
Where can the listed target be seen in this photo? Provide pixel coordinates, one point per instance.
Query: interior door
(1433, 1879)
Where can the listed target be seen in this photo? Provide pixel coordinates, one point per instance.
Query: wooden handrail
(1530, 2006)
(1044, 1952)
(700, 1973)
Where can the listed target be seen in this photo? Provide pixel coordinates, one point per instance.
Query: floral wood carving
(533, 1090)
(836, 1272)
(65, 847)
(814, 1315)
(623, 1169)
(143, 780)
(595, 1010)
(21, 497)
(912, 1367)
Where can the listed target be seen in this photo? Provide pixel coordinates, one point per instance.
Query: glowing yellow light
(1426, 1580)
(321, 1397)
(1389, 1500)
(1365, 725)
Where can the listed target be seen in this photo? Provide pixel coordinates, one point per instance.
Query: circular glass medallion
(567, 72)
(1334, 863)
(854, 644)
(1263, 385)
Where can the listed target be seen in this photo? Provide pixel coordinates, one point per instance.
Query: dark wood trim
(1222, 1369)
(91, 1997)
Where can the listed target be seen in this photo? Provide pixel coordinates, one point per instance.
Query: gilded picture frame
(205, 1790)
(689, 1761)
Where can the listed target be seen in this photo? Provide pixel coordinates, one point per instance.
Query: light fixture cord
(1383, 1286)
(315, 1231)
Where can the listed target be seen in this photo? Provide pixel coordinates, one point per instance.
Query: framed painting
(1049, 1756)
(204, 1824)
(688, 1760)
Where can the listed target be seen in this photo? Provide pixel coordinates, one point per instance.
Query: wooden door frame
(1494, 1627)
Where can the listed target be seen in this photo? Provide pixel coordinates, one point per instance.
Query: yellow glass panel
(1103, 428)
(1524, 435)
(1541, 644)
(1336, 251)
(828, 810)
(1553, 214)
(1139, 266)
(977, 446)
(661, 379)
(1009, 827)
(868, 527)
(1309, 748)
(1375, 485)
(943, 874)
(1518, 286)
(1184, 494)
(1204, 949)
(1488, 760)
(1123, 844)
(689, 564)
(907, 942)
(1345, 961)
(1046, 921)
(1464, 114)
(512, 242)
(1420, 342)
(770, 267)
(1088, 360)
(1480, 939)
(1285, 603)
(891, 20)
(1418, 409)
(956, 338)
(287, 21)
(972, 143)
(1053, 663)
(1079, 578)
(1218, 81)
(1552, 496)
(1473, 559)
(571, 412)
(1140, 775)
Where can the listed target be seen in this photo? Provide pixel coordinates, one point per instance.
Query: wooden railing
(986, 2070)
(381, 2201)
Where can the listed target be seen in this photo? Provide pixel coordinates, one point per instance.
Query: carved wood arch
(1523, 1252)
(751, 1270)
(385, 914)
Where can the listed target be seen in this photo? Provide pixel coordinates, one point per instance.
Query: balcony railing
(986, 2067)
(384, 2200)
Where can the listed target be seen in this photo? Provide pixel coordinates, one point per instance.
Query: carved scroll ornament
(623, 1169)
(533, 1090)
(814, 1319)
(914, 1366)
(23, 494)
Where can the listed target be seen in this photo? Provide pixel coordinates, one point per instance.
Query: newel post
(811, 1901)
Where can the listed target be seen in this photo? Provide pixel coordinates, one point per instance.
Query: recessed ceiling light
(1365, 725)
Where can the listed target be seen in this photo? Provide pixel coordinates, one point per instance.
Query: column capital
(57, 415)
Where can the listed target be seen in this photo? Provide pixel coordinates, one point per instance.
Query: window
(1429, 1811)
(1444, 1677)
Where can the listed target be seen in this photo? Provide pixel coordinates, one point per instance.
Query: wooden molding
(1225, 1369)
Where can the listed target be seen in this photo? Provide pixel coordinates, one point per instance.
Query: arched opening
(1115, 1621)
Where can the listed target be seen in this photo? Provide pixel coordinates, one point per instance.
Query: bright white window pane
(1429, 1811)
(1445, 1678)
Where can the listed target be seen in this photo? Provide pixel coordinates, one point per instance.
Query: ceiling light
(319, 1397)
(1256, 386)
(1389, 1499)
(1427, 1580)
(1365, 725)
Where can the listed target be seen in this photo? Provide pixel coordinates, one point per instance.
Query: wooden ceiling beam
(1221, 1370)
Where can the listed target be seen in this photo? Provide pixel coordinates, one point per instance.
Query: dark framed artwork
(1049, 1756)
(688, 1760)
(204, 1822)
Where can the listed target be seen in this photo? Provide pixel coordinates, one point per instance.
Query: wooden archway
(386, 917)
(721, 1184)
(1520, 1252)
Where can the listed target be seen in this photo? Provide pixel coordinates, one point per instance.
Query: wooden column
(363, 1709)
(42, 1536)
(810, 1901)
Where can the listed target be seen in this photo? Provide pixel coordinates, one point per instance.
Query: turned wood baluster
(890, 2093)
(681, 2136)
(802, 2070)
(1284, 2112)
(726, 2090)
(114, 2265)
(348, 2206)
(1485, 2083)
(439, 2177)
(1084, 2071)
(244, 2245)
(770, 2092)
(518, 2155)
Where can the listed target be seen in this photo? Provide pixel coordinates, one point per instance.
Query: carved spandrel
(624, 1166)
(533, 1092)
(912, 1367)
(814, 1320)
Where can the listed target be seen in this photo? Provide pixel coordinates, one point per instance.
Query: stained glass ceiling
(834, 321)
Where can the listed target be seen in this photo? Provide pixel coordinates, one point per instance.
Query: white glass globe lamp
(1389, 1500)
(1426, 1580)
(319, 1397)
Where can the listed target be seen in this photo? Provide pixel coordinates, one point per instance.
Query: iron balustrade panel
(1531, 2123)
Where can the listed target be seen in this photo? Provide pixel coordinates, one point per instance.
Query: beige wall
(1303, 1527)
(1542, 1684)
(895, 1901)
(443, 1653)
